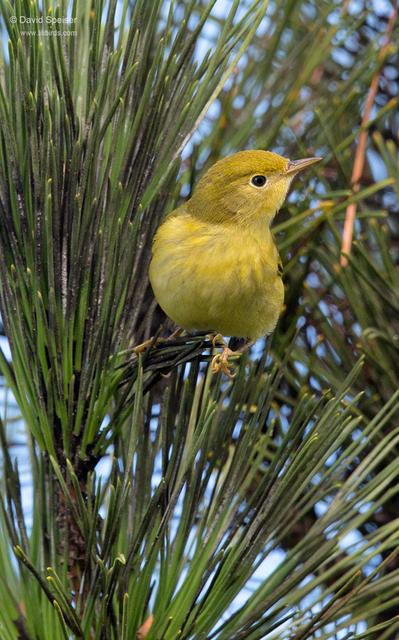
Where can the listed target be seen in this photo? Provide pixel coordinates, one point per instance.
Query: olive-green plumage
(215, 265)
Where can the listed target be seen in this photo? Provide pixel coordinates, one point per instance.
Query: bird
(215, 266)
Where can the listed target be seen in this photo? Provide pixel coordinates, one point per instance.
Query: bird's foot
(143, 346)
(152, 342)
(221, 361)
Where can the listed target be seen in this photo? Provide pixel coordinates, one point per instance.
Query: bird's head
(248, 187)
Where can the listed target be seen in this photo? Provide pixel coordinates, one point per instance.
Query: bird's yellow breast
(216, 277)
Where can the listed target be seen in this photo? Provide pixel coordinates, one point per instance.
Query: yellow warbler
(215, 266)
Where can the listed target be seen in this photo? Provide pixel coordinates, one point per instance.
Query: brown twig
(360, 154)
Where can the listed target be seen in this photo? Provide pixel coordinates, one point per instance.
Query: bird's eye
(258, 181)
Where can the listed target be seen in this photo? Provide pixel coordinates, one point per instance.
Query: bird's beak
(294, 166)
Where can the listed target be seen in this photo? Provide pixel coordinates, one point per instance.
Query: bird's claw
(153, 342)
(141, 348)
(220, 362)
(218, 340)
